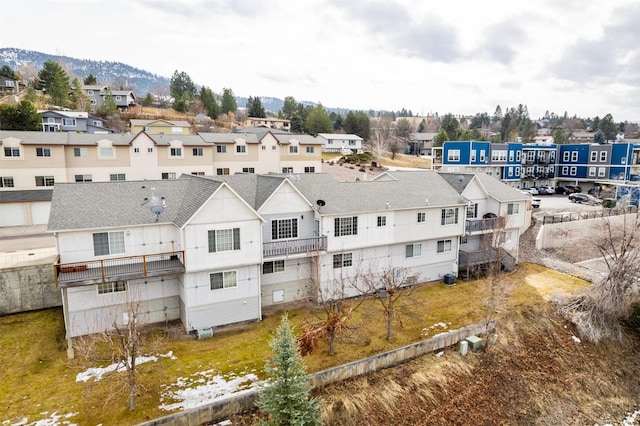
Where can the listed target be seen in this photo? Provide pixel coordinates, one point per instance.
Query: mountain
(107, 72)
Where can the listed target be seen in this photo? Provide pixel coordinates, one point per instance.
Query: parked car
(535, 202)
(584, 199)
(533, 190)
(564, 190)
(575, 188)
(545, 190)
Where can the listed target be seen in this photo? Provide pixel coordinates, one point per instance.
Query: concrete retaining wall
(575, 233)
(244, 402)
(28, 287)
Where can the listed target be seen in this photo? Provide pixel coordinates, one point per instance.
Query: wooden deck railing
(118, 268)
(476, 225)
(286, 247)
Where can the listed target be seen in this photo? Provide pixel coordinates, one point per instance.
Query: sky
(455, 56)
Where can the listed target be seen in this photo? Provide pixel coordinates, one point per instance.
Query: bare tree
(337, 310)
(390, 286)
(123, 344)
(395, 146)
(381, 132)
(600, 311)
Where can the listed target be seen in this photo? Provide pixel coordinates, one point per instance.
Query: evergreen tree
(286, 397)
(48, 74)
(182, 90)
(209, 101)
(318, 121)
(79, 97)
(59, 89)
(90, 80)
(228, 103)
(289, 108)
(148, 100)
(6, 71)
(357, 123)
(598, 137)
(559, 137)
(297, 124)
(109, 106)
(255, 108)
(24, 116)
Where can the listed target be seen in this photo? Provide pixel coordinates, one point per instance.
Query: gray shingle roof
(33, 138)
(254, 189)
(494, 187)
(95, 205)
(187, 140)
(25, 195)
(228, 137)
(92, 139)
(405, 190)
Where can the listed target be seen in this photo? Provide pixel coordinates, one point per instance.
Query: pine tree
(285, 398)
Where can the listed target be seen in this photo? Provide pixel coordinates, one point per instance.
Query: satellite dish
(320, 203)
(156, 203)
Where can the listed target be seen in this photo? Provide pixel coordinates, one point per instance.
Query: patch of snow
(576, 339)
(630, 420)
(439, 354)
(98, 372)
(426, 330)
(54, 420)
(205, 387)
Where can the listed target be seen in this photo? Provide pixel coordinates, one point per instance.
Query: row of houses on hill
(216, 250)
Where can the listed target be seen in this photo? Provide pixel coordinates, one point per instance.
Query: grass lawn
(38, 380)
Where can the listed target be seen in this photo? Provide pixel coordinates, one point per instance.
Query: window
(10, 151)
(226, 279)
(444, 246)
(106, 152)
(510, 156)
(382, 221)
(473, 155)
(264, 147)
(97, 123)
(345, 226)
(513, 208)
(601, 172)
(197, 152)
(197, 173)
(168, 175)
(284, 228)
(94, 102)
(472, 211)
(464, 239)
(453, 155)
(271, 267)
(108, 243)
(175, 152)
(150, 150)
(248, 170)
(293, 149)
(310, 169)
(83, 178)
(273, 148)
(79, 152)
(224, 240)
(574, 155)
(287, 170)
(112, 287)
(6, 182)
(69, 122)
(116, 177)
(310, 150)
(482, 155)
(499, 155)
(241, 149)
(413, 250)
(594, 155)
(43, 152)
(565, 156)
(573, 171)
(422, 217)
(517, 171)
(449, 216)
(510, 172)
(603, 156)
(44, 181)
(89, 92)
(222, 172)
(221, 149)
(342, 260)
(518, 156)
(592, 171)
(136, 150)
(118, 98)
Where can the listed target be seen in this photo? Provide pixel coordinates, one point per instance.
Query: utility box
(204, 333)
(449, 279)
(475, 342)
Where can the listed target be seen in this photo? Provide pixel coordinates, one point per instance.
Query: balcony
(470, 259)
(297, 246)
(117, 269)
(481, 225)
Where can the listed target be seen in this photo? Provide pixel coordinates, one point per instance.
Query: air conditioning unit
(449, 279)
(204, 333)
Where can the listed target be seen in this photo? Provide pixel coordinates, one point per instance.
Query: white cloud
(458, 56)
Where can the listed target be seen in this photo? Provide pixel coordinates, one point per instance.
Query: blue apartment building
(543, 164)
